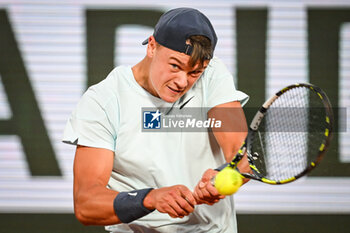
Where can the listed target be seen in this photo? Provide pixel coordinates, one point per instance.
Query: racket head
(290, 134)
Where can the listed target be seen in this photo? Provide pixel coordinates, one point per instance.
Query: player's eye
(174, 66)
(196, 73)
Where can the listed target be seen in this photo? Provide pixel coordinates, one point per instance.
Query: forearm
(230, 143)
(234, 128)
(230, 146)
(99, 207)
(95, 206)
(233, 132)
(93, 201)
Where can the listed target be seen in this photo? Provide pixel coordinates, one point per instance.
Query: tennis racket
(288, 136)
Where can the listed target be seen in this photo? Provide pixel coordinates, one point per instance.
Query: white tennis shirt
(109, 115)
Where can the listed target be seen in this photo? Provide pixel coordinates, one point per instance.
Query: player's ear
(151, 46)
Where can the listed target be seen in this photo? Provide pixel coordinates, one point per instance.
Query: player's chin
(171, 97)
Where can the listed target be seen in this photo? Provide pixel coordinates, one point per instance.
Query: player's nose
(181, 80)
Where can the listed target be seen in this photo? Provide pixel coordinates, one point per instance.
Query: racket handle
(221, 167)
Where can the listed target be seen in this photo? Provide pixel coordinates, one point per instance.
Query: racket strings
(291, 129)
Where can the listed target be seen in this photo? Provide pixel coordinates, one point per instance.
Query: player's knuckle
(181, 188)
(163, 206)
(168, 199)
(172, 194)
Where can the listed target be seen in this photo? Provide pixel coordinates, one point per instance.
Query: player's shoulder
(215, 61)
(106, 90)
(216, 68)
(112, 80)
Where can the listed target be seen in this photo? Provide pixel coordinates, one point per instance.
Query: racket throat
(237, 158)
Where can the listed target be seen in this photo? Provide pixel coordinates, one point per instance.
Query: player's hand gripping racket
(288, 136)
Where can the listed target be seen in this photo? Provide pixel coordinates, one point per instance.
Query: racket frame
(253, 128)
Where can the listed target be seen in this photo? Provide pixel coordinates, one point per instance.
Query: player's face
(170, 75)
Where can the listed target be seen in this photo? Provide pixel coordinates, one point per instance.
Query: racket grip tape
(221, 167)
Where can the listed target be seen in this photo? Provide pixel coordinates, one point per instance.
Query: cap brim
(145, 42)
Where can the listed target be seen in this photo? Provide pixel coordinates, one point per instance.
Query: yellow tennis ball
(228, 181)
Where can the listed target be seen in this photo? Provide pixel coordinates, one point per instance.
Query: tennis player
(134, 181)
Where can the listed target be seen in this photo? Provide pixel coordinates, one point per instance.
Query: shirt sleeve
(220, 85)
(94, 121)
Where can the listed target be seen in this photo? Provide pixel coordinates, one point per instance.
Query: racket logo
(152, 119)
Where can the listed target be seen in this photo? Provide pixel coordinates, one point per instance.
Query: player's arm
(230, 138)
(95, 204)
(233, 131)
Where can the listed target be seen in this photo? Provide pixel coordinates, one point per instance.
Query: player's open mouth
(174, 90)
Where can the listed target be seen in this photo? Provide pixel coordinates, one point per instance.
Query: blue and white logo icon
(152, 119)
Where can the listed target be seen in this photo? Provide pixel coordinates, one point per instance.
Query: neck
(141, 73)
